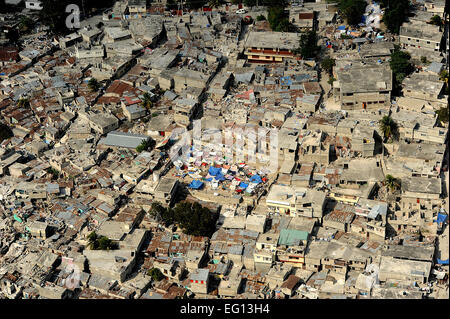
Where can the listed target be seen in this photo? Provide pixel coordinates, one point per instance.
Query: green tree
(436, 20)
(395, 13)
(214, 3)
(5, 132)
(423, 59)
(156, 274)
(96, 242)
(195, 4)
(147, 101)
(105, 243)
(392, 183)
(161, 213)
(25, 24)
(275, 16)
(145, 145)
(346, 36)
(308, 45)
(327, 64)
(53, 15)
(93, 85)
(401, 67)
(444, 75)
(388, 127)
(443, 114)
(352, 10)
(260, 18)
(193, 219)
(23, 102)
(331, 80)
(273, 3)
(54, 172)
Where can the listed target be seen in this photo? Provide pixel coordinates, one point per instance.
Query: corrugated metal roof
(121, 139)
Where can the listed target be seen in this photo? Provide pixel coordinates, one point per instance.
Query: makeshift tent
(219, 177)
(256, 179)
(196, 184)
(243, 185)
(213, 171)
(440, 218)
(442, 262)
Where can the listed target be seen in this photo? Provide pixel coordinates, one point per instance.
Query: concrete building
(423, 36)
(404, 270)
(363, 87)
(199, 281)
(269, 47)
(118, 139)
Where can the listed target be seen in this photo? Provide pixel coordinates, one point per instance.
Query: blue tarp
(243, 185)
(219, 177)
(208, 179)
(285, 80)
(196, 184)
(342, 27)
(440, 218)
(256, 179)
(442, 262)
(213, 171)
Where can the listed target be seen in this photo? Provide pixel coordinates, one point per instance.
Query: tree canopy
(192, 218)
(93, 85)
(395, 13)
(392, 183)
(279, 20)
(436, 20)
(352, 10)
(260, 18)
(156, 274)
(327, 64)
(144, 146)
(401, 67)
(5, 132)
(53, 13)
(147, 101)
(97, 242)
(389, 127)
(308, 45)
(443, 114)
(23, 102)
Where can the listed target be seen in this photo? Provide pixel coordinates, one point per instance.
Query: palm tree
(443, 76)
(389, 127)
(147, 101)
(214, 3)
(23, 102)
(93, 85)
(392, 183)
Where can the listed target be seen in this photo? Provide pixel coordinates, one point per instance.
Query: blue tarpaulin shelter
(342, 27)
(285, 80)
(441, 218)
(243, 185)
(442, 262)
(256, 179)
(213, 171)
(196, 184)
(219, 177)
